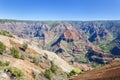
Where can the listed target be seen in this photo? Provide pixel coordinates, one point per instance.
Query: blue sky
(60, 9)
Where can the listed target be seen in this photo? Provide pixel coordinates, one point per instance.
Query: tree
(2, 47)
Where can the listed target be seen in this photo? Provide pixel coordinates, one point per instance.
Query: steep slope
(116, 46)
(27, 66)
(51, 56)
(110, 71)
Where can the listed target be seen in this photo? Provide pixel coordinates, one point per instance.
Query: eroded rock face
(96, 33)
(76, 49)
(74, 37)
(59, 29)
(70, 35)
(116, 49)
(98, 57)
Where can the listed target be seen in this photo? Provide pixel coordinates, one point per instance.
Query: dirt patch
(26, 66)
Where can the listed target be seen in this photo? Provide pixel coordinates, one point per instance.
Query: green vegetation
(36, 60)
(6, 33)
(2, 48)
(105, 48)
(48, 74)
(81, 58)
(17, 73)
(3, 64)
(94, 65)
(52, 70)
(22, 57)
(14, 52)
(48, 46)
(25, 46)
(31, 56)
(74, 72)
(53, 67)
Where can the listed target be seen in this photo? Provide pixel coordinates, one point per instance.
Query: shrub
(14, 52)
(36, 60)
(3, 64)
(22, 57)
(2, 47)
(53, 67)
(6, 33)
(17, 73)
(31, 56)
(48, 74)
(7, 63)
(78, 71)
(25, 46)
(74, 72)
(10, 69)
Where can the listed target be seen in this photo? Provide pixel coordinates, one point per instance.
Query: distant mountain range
(79, 41)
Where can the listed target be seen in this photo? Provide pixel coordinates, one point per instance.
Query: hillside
(110, 71)
(27, 66)
(71, 39)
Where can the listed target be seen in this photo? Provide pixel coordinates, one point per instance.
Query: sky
(83, 10)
